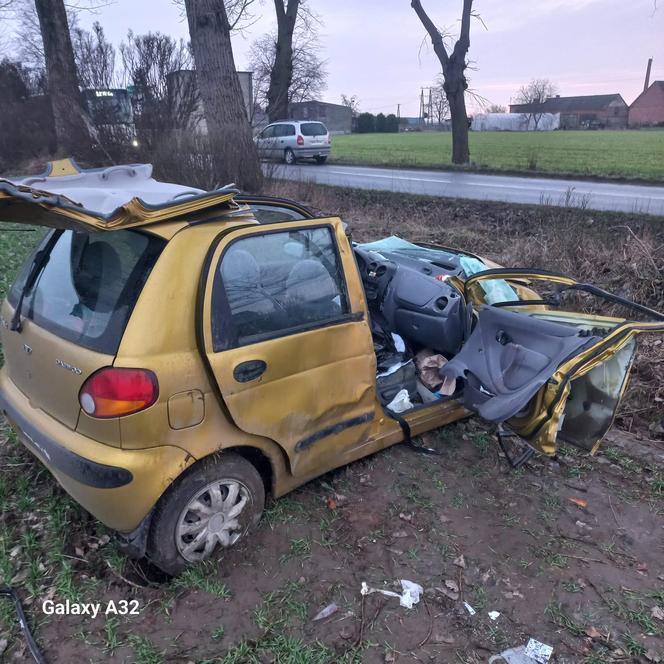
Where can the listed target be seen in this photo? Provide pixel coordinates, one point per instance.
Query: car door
(550, 372)
(285, 332)
(265, 142)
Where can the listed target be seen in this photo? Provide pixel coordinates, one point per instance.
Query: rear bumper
(119, 487)
(310, 153)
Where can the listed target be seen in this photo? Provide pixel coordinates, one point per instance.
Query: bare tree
(496, 108)
(95, 57)
(440, 107)
(351, 102)
(308, 75)
(233, 149)
(72, 127)
(534, 95)
(25, 108)
(165, 98)
(282, 70)
(454, 66)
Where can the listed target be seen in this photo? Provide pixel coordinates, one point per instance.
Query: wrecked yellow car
(174, 355)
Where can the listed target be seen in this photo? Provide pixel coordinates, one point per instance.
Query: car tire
(289, 157)
(189, 505)
(321, 160)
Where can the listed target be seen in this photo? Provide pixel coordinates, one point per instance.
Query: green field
(616, 154)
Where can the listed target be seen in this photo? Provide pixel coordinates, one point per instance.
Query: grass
(201, 577)
(610, 153)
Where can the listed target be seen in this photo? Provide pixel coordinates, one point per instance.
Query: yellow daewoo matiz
(173, 355)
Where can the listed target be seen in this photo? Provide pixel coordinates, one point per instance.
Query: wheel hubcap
(212, 517)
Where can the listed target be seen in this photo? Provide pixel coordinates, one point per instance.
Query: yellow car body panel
(121, 508)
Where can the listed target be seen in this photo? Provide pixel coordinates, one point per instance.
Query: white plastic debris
(326, 612)
(470, 609)
(399, 344)
(512, 656)
(494, 615)
(400, 402)
(538, 651)
(409, 597)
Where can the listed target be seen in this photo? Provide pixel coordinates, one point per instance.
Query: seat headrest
(309, 281)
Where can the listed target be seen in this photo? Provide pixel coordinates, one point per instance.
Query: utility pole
(430, 109)
(399, 111)
(422, 111)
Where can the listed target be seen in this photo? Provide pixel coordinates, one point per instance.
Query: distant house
(337, 118)
(648, 108)
(588, 111)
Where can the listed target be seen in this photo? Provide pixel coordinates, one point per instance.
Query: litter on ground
(408, 598)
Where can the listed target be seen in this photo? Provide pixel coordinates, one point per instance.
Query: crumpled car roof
(104, 198)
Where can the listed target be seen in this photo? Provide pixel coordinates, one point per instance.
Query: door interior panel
(508, 358)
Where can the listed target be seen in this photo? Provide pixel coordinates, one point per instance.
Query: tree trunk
(454, 67)
(460, 147)
(282, 70)
(72, 128)
(234, 152)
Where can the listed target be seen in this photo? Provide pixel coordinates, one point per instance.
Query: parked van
(293, 140)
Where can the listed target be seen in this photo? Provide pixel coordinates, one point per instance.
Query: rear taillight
(114, 392)
(300, 140)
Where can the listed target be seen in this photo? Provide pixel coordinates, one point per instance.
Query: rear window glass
(86, 291)
(312, 129)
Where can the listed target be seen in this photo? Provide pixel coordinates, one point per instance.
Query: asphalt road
(538, 191)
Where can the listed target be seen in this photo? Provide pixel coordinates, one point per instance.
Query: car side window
(284, 130)
(268, 132)
(277, 283)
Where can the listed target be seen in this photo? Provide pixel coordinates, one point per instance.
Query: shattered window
(277, 283)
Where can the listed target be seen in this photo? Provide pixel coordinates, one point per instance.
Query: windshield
(87, 289)
(312, 129)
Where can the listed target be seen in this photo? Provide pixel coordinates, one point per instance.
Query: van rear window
(86, 291)
(313, 129)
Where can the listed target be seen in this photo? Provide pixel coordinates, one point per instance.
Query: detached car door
(283, 327)
(547, 371)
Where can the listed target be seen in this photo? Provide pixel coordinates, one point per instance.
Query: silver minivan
(292, 140)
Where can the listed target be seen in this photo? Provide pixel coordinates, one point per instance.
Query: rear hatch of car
(66, 313)
(315, 134)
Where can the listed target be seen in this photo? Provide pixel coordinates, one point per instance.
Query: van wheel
(321, 160)
(209, 508)
(289, 157)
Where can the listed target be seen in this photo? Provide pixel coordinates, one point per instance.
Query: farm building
(648, 108)
(337, 118)
(582, 112)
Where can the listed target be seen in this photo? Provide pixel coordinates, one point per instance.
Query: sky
(376, 49)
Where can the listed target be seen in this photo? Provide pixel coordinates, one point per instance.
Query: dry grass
(619, 252)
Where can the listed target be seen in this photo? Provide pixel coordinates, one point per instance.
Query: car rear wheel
(321, 160)
(289, 157)
(210, 508)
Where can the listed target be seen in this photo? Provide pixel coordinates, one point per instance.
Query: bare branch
(435, 34)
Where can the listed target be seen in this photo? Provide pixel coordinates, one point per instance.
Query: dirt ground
(568, 551)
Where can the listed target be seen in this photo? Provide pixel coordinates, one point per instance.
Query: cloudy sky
(375, 49)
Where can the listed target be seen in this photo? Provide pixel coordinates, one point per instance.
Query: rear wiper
(38, 264)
